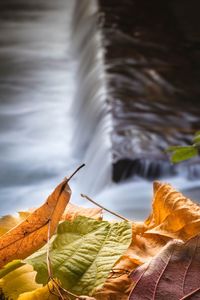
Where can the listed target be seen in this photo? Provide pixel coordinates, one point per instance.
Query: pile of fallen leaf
(61, 251)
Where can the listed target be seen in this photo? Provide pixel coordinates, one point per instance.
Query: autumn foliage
(61, 251)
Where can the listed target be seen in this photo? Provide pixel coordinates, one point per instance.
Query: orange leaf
(174, 215)
(72, 211)
(115, 289)
(172, 274)
(31, 234)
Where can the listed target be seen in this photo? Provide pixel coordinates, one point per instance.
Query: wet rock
(152, 58)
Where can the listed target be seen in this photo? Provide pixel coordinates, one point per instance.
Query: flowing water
(36, 89)
(53, 113)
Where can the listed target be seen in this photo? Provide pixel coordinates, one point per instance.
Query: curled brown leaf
(31, 234)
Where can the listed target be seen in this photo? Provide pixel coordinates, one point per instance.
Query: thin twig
(106, 209)
(64, 293)
(80, 167)
(49, 269)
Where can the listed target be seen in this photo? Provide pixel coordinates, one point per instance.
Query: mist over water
(53, 114)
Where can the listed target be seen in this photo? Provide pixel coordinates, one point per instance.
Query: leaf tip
(156, 186)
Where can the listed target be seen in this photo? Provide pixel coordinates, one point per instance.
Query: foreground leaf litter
(83, 253)
(155, 259)
(32, 233)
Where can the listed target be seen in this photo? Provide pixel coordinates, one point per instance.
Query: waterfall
(90, 111)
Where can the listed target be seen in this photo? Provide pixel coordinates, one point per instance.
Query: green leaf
(83, 253)
(183, 153)
(173, 148)
(197, 137)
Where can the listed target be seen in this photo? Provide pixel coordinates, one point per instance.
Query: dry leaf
(115, 289)
(172, 274)
(50, 292)
(31, 234)
(173, 216)
(41, 293)
(18, 281)
(72, 211)
(85, 298)
(8, 222)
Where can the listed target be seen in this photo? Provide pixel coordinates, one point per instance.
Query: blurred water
(36, 89)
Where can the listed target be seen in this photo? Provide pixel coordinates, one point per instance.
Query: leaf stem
(49, 269)
(80, 167)
(106, 209)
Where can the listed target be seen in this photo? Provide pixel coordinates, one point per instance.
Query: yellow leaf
(42, 293)
(31, 234)
(49, 292)
(72, 211)
(18, 281)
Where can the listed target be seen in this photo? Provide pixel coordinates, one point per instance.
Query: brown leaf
(85, 298)
(172, 274)
(72, 211)
(31, 234)
(115, 289)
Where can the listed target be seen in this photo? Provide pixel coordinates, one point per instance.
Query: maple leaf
(172, 274)
(83, 253)
(32, 233)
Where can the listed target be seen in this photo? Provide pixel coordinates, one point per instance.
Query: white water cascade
(54, 113)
